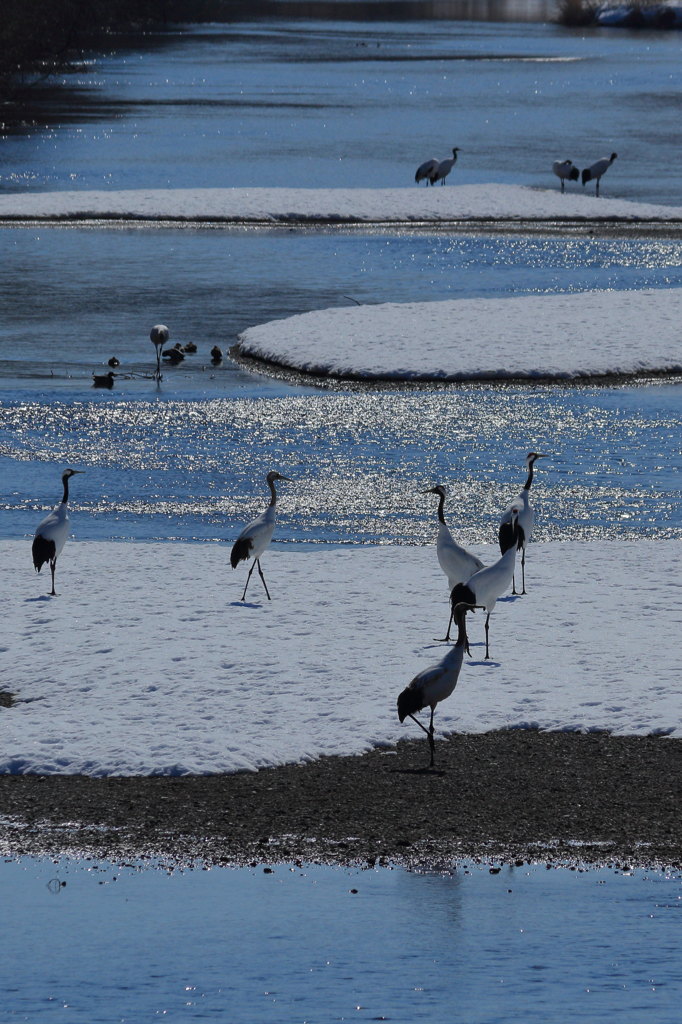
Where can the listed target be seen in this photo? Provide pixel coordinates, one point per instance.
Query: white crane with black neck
(52, 532)
(487, 585)
(255, 538)
(526, 514)
(432, 685)
(457, 563)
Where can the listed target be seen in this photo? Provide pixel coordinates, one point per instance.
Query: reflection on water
(75, 297)
(313, 103)
(195, 469)
(101, 942)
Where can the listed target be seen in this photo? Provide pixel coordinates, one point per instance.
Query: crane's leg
(562, 184)
(247, 580)
(431, 743)
(53, 566)
(514, 583)
(597, 189)
(487, 648)
(444, 639)
(523, 571)
(260, 573)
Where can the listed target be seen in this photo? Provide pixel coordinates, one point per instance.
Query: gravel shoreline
(498, 797)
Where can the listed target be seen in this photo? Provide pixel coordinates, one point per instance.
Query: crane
(427, 170)
(159, 336)
(432, 685)
(526, 515)
(457, 563)
(565, 170)
(597, 169)
(50, 537)
(487, 585)
(254, 538)
(444, 167)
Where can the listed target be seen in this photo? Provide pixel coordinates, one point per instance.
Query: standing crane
(526, 515)
(487, 585)
(457, 563)
(426, 171)
(565, 170)
(159, 336)
(432, 685)
(444, 168)
(50, 537)
(597, 169)
(254, 538)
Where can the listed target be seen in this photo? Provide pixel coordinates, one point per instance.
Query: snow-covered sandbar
(363, 206)
(148, 663)
(592, 334)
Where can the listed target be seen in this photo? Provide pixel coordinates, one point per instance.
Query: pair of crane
(566, 170)
(53, 530)
(434, 170)
(472, 585)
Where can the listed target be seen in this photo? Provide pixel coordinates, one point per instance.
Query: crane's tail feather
(587, 175)
(462, 594)
(43, 551)
(240, 551)
(409, 701)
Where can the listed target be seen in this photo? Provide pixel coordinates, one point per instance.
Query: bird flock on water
(471, 584)
(171, 356)
(432, 171)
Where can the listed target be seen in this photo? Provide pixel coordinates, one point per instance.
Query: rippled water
(333, 104)
(359, 461)
(320, 944)
(75, 297)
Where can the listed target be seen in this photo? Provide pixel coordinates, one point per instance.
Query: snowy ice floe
(147, 663)
(590, 334)
(489, 202)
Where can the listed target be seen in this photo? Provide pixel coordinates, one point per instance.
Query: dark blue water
(338, 104)
(325, 945)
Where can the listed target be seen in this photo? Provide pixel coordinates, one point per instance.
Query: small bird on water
(103, 380)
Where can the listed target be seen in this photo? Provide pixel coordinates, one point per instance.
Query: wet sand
(499, 797)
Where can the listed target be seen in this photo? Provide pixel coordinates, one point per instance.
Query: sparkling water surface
(349, 104)
(323, 944)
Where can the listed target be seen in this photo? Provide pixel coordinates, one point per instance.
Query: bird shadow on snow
(43, 597)
(245, 604)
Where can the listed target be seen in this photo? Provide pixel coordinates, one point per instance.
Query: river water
(321, 945)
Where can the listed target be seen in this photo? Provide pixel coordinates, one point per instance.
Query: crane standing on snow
(457, 563)
(50, 537)
(487, 585)
(254, 538)
(526, 517)
(597, 169)
(565, 170)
